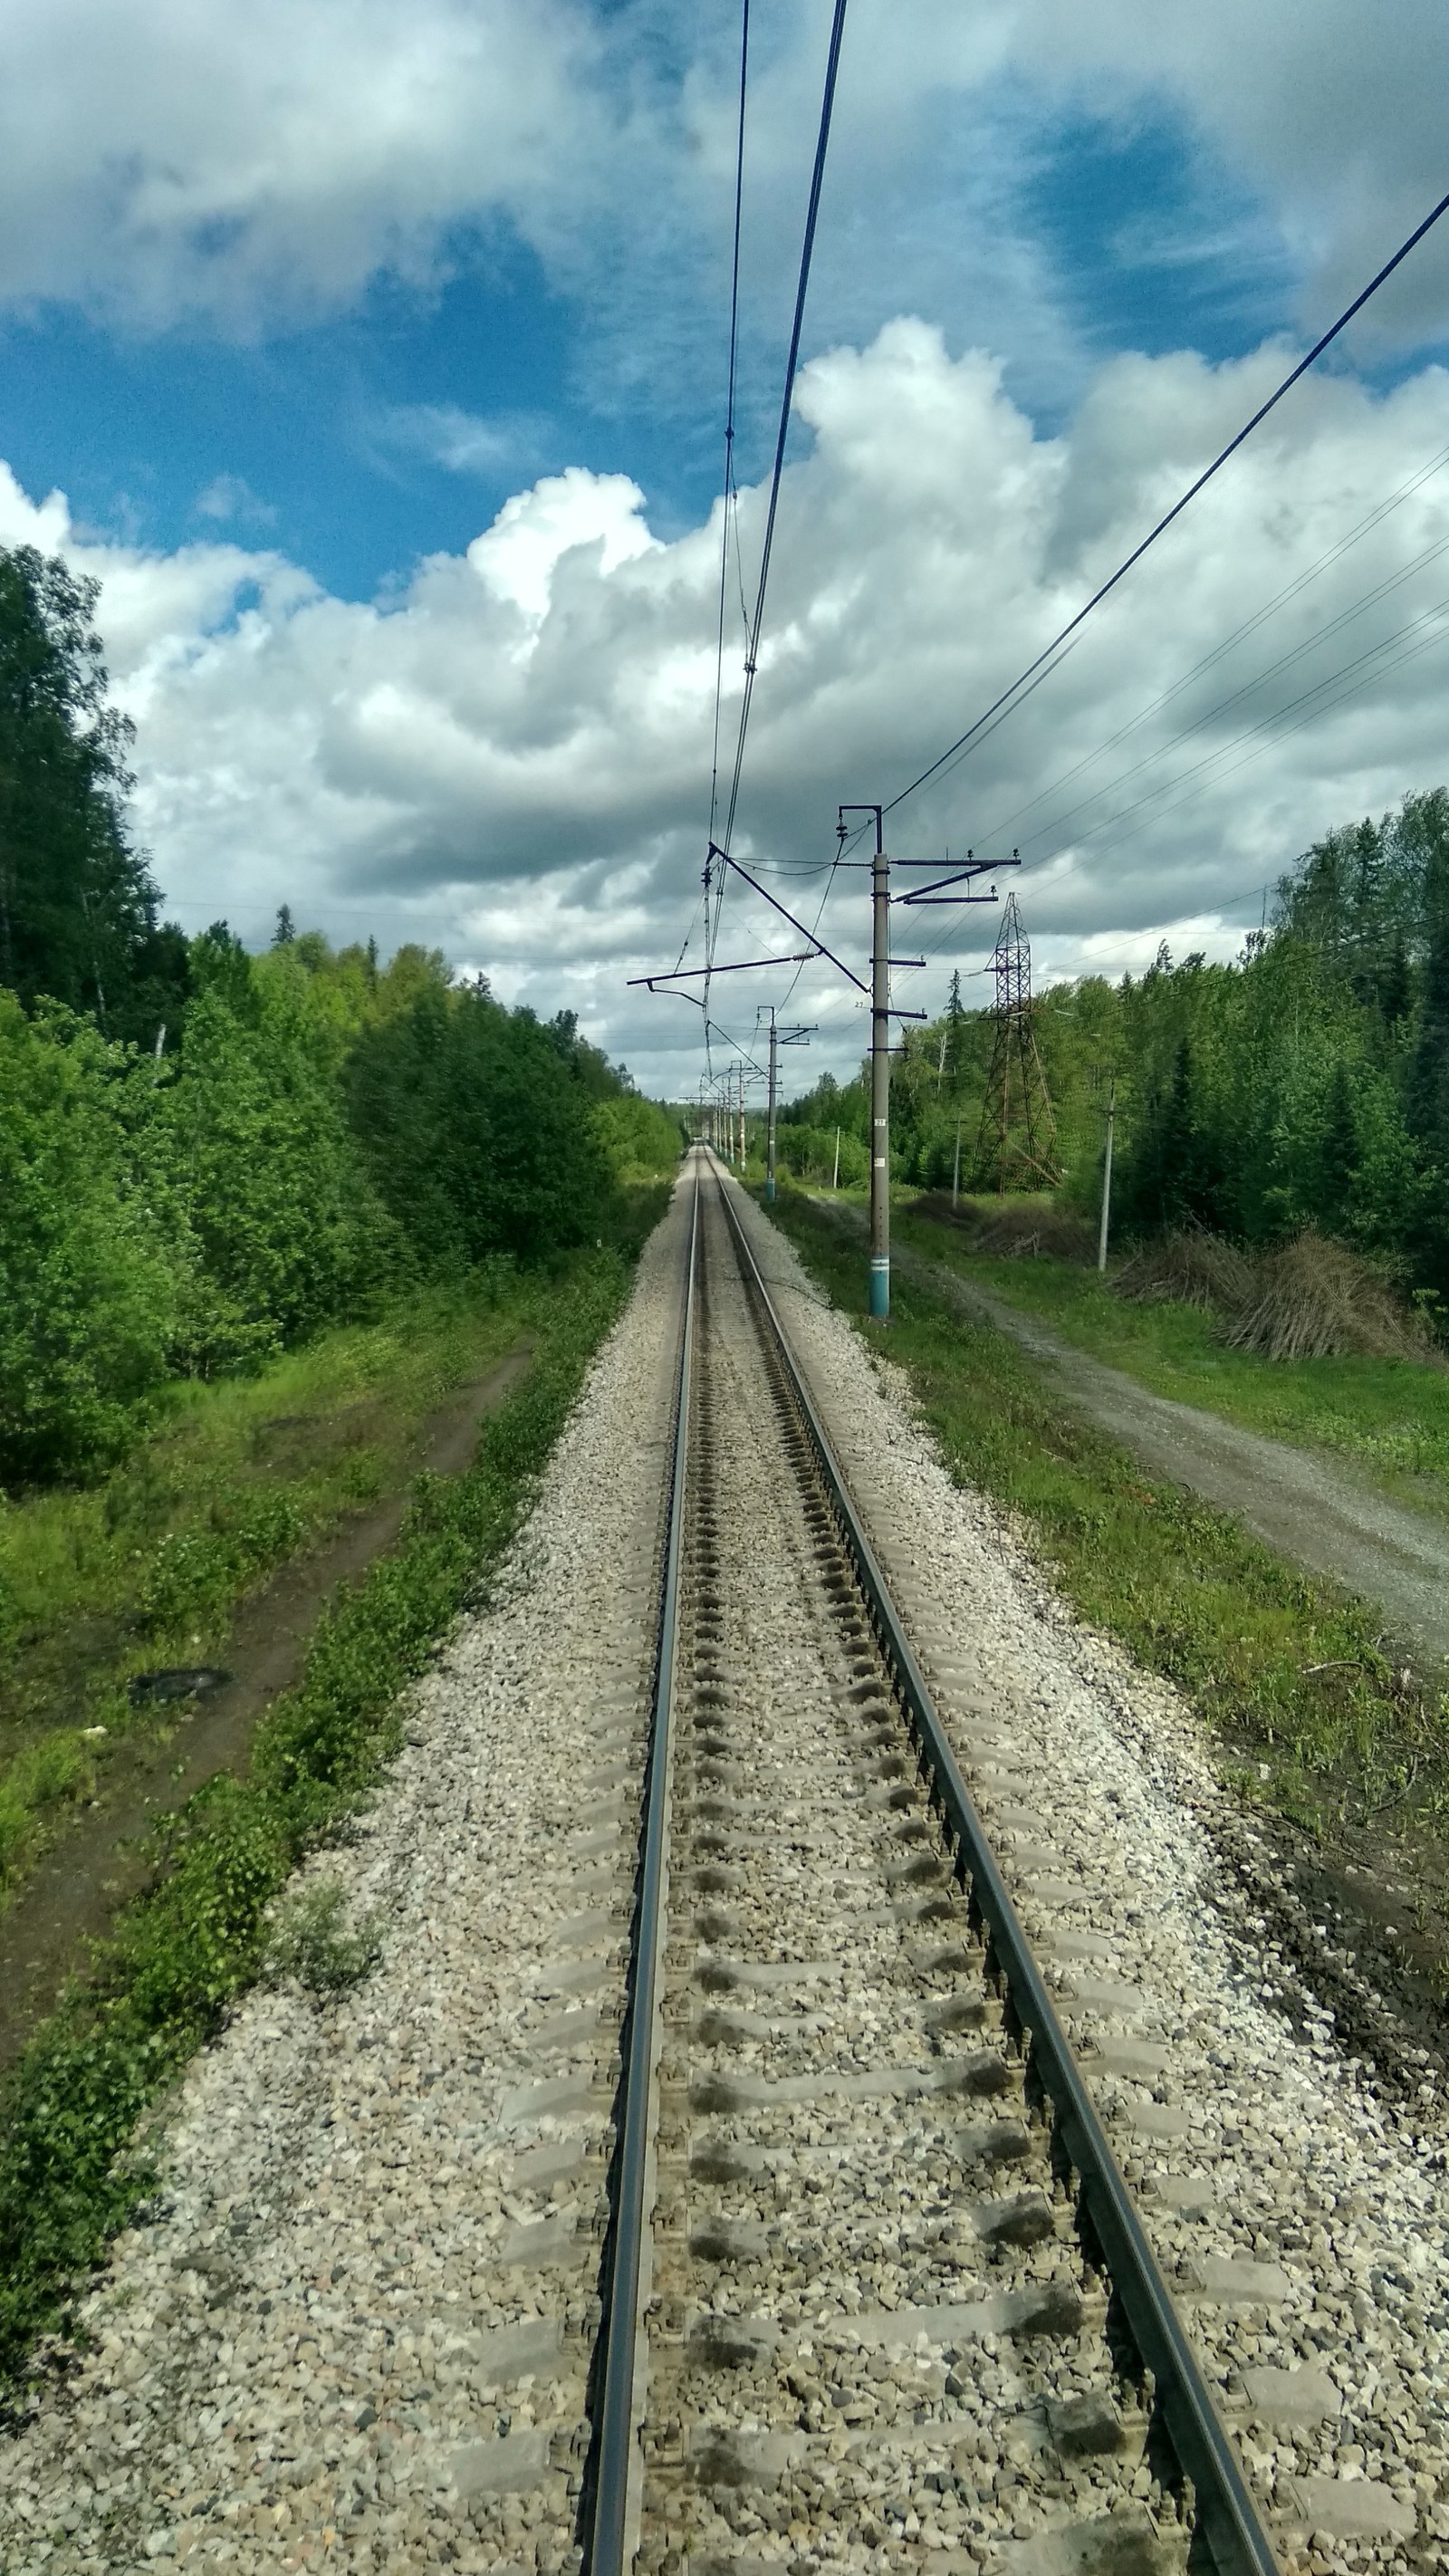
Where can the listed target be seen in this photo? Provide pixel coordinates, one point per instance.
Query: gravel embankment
(355, 2331)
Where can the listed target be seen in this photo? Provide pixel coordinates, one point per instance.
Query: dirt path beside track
(1310, 1509)
(101, 1857)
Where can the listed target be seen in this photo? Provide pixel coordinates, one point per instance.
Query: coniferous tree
(77, 903)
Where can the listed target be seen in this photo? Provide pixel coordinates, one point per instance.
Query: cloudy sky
(373, 357)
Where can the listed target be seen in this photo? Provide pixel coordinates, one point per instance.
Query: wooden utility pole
(1107, 1177)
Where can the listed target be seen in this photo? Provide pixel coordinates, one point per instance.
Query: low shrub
(1316, 1298)
(1188, 1267)
(316, 1941)
(1008, 1229)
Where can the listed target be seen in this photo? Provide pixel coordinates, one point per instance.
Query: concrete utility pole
(880, 1081)
(1107, 1177)
(778, 1037)
(835, 1175)
(770, 1116)
(956, 1166)
(880, 1065)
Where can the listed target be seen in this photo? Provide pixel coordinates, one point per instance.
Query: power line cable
(1260, 616)
(1283, 662)
(1255, 739)
(729, 507)
(729, 454)
(999, 705)
(792, 362)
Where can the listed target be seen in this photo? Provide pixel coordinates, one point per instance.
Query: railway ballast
(886, 2313)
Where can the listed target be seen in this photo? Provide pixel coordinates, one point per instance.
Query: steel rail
(1220, 2501)
(613, 2456)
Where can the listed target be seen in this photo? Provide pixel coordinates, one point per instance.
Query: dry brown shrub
(1315, 1298)
(1013, 1229)
(1188, 1268)
(1020, 1232)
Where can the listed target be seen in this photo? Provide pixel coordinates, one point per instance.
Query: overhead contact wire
(817, 178)
(729, 480)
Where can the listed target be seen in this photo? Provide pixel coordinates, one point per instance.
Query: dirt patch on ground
(100, 1860)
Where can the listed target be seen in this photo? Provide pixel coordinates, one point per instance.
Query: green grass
(1390, 1417)
(71, 2171)
(1340, 1749)
(149, 1566)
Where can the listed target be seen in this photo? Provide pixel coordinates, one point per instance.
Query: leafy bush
(314, 1940)
(195, 1573)
(89, 1295)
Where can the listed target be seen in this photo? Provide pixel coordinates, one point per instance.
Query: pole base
(770, 1190)
(880, 1287)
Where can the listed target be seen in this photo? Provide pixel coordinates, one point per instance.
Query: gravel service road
(1306, 1505)
(357, 2327)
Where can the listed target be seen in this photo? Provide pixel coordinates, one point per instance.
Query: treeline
(205, 1154)
(1308, 1082)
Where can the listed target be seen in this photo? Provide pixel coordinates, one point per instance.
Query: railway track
(874, 2282)
(704, 2185)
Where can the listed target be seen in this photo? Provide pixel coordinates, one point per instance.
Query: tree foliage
(206, 1153)
(77, 904)
(1306, 1083)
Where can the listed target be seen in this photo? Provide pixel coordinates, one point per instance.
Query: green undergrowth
(1389, 1417)
(70, 2172)
(1311, 1715)
(149, 1565)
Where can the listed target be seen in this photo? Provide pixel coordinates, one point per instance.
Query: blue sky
(397, 427)
(291, 308)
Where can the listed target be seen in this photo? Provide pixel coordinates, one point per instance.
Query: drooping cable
(1391, 653)
(999, 705)
(728, 507)
(729, 454)
(827, 104)
(1210, 716)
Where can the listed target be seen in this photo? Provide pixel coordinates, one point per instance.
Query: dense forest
(205, 1154)
(1306, 1083)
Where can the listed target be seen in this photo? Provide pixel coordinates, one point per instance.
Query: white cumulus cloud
(511, 753)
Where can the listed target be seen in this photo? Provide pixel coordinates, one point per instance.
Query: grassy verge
(68, 2173)
(1311, 1717)
(1389, 1417)
(149, 1566)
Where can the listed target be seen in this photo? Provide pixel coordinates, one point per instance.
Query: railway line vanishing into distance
(851, 2029)
(745, 2159)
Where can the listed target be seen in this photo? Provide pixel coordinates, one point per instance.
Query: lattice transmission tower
(1016, 1141)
